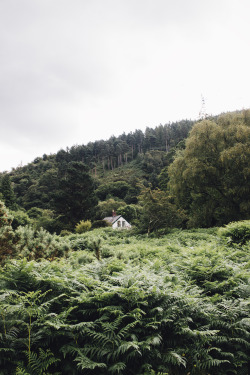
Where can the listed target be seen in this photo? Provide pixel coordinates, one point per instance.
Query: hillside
(134, 151)
(201, 166)
(159, 299)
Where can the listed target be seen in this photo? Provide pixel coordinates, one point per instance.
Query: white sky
(74, 71)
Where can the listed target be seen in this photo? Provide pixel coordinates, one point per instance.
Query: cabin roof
(112, 219)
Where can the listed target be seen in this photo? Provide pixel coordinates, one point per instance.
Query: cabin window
(118, 224)
(123, 224)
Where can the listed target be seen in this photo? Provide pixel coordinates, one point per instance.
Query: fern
(37, 364)
(85, 363)
(117, 368)
(176, 304)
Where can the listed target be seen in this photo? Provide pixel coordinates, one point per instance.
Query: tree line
(181, 174)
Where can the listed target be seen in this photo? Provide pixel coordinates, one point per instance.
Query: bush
(236, 232)
(100, 224)
(47, 219)
(65, 232)
(129, 212)
(79, 243)
(83, 226)
(7, 235)
(106, 207)
(36, 244)
(19, 218)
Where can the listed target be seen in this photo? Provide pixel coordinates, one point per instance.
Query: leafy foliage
(83, 226)
(206, 172)
(130, 212)
(105, 208)
(237, 232)
(75, 198)
(37, 244)
(171, 305)
(119, 302)
(210, 178)
(7, 192)
(37, 364)
(28, 242)
(20, 218)
(7, 236)
(158, 212)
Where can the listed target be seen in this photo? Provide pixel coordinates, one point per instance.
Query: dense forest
(199, 170)
(168, 297)
(64, 188)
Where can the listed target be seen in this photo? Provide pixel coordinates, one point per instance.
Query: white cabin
(118, 222)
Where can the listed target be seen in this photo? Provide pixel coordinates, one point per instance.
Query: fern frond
(126, 347)
(212, 362)
(124, 331)
(117, 368)
(84, 362)
(174, 358)
(21, 371)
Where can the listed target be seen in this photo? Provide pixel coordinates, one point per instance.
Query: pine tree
(8, 192)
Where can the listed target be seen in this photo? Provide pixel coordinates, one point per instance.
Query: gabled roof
(112, 219)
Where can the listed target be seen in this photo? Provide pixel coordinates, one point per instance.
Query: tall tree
(74, 198)
(7, 191)
(158, 211)
(211, 177)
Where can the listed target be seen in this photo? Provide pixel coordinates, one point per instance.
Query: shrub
(83, 226)
(100, 224)
(65, 232)
(19, 218)
(95, 245)
(36, 244)
(129, 212)
(78, 243)
(7, 235)
(236, 232)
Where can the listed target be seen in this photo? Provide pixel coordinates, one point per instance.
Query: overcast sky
(74, 71)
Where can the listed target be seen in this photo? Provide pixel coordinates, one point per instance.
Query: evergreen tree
(74, 198)
(7, 191)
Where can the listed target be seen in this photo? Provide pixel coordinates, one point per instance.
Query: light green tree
(83, 226)
(106, 207)
(7, 236)
(129, 212)
(158, 211)
(210, 178)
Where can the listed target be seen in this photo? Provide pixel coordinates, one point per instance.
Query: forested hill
(123, 149)
(184, 173)
(151, 300)
(144, 153)
(117, 151)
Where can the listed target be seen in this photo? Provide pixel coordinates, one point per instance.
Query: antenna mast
(203, 113)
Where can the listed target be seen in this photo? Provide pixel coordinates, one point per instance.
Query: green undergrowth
(128, 304)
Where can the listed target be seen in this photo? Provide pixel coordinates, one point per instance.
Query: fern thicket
(175, 305)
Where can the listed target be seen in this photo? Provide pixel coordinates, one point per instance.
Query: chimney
(113, 213)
